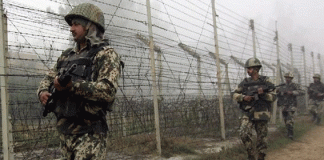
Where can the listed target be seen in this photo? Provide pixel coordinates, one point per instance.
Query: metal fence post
(291, 58)
(320, 65)
(194, 54)
(152, 59)
(6, 127)
(157, 49)
(312, 54)
(304, 60)
(274, 114)
(219, 73)
(253, 37)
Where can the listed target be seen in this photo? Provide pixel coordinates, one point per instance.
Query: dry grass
(146, 145)
(277, 140)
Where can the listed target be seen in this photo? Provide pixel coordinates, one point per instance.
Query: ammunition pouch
(256, 112)
(245, 107)
(71, 107)
(262, 115)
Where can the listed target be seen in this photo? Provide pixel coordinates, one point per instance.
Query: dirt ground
(309, 147)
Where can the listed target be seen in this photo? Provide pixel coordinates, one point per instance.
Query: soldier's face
(288, 79)
(250, 71)
(316, 80)
(78, 32)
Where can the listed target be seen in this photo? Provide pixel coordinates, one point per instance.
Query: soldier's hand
(289, 92)
(260, 91)
(43, 97)
(58, 86)
(248, 98)
(320, 94)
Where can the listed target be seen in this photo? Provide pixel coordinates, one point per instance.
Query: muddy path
(308, 147)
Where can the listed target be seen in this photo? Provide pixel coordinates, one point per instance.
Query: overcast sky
(299, 21)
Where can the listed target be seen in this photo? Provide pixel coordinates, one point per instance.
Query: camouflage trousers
(316, 107)
(288, 114)
(83, 147)
(261, 128)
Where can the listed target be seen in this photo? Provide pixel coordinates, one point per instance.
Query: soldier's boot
(291, 133)
(261, 156)
(313, 115)
(314, 119)
(318, 120)
(251, 157)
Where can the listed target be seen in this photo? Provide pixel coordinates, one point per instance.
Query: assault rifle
(64, 78)
(252, 89)
(283, 98)
(314, 92)
(283, 90)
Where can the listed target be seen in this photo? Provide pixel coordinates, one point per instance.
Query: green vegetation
(279, 140)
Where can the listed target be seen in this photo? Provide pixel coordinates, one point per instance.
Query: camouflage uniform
(253, 117)
(81, 112)
(288, 103)
(316, 103)
(86, 146)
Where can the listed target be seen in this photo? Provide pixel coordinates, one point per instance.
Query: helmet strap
(87, 27)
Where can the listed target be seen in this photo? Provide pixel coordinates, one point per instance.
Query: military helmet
(252, 62)
(317, 76)
(289, 74)
(89, 12)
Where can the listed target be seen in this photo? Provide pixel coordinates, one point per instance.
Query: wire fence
(186, 70)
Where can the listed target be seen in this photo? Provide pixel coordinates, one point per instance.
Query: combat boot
(261, 156)
(251, 157)
(290, 134)
(318, 120)
(314, 116)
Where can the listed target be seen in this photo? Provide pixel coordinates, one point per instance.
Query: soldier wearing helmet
(287, 101)
(316, 95)
(255, 94)
(83, 102)
(318, 76)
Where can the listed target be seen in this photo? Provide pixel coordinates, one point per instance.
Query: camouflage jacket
(314, 89)
(289, 100)
(88, 98)
(255, 108)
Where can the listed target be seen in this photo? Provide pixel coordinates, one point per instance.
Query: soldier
(82, 108)
(316, 95)
(287, 101)
(255, 94)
